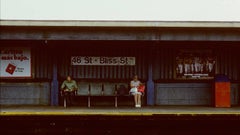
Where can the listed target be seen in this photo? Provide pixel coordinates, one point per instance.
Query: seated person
(135, 84)
(69, 87)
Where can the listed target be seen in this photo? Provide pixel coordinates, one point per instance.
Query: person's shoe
(138, 106)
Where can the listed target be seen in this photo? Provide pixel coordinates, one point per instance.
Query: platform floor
(99, 120)
(120, 111)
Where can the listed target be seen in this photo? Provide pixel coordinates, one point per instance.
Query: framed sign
(15, 62)
(195, 64)
(103, 61)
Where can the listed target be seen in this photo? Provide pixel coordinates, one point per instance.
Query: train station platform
(120, 111)
(155, 120)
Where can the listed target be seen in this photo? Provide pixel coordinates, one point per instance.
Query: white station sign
(103, 61)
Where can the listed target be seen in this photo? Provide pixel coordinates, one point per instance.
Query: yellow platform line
(114, 113)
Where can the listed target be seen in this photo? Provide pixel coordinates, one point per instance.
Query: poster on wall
(103, 61)
(195, 64)
(15, 62)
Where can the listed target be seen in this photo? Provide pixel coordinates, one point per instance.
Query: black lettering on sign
(110, 61)
(102, 60)
(87, 60)
(115, 61)
(123, 60)
(76, 59)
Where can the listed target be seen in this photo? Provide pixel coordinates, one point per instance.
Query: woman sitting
(135, 84)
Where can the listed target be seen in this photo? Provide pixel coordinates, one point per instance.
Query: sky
(121, 10)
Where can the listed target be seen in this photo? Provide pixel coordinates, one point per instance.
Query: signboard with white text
(15, 62)
(103, 61)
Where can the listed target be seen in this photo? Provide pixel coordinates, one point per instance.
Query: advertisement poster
(15, 62)
(103, 61)
(195, 64)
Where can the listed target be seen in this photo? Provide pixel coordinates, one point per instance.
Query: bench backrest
(96, 89)
(83, 88)
(86, 88)
(109, 89)
(122, 91)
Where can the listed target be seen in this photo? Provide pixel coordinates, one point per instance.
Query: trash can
(222, 91)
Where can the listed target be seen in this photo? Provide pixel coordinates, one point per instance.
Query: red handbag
(141, 88)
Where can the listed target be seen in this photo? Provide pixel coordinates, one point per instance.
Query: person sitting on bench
(135, 84)
(69, 87)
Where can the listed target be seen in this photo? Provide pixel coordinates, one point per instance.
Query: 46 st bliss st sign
(103, 61)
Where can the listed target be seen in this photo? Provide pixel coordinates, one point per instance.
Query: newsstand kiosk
(222, 91)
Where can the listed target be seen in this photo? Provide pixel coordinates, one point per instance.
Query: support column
(54, 86)
(150, 83)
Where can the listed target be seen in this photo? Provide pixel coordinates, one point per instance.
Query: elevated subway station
(176, 60)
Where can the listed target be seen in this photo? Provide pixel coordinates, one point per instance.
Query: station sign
(15, 62)
(103, 61)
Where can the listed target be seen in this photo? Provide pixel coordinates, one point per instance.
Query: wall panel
(24, 94)
(42, 62)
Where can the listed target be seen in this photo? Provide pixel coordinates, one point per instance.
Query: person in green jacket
(69, 88)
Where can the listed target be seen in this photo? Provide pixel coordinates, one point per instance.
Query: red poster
(10, 68)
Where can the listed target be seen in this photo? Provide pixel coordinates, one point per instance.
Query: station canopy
(119, 30)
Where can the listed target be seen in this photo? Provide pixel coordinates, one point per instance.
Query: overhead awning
(119, 30)
(156, 24)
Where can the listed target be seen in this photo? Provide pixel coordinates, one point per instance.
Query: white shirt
(135, 83)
